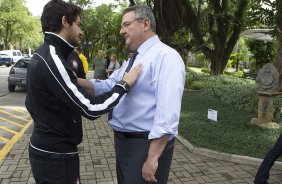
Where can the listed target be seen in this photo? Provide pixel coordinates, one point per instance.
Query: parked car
(17, 75)
(15, 54)
(5, 60)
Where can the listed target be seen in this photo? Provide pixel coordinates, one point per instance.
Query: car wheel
(11, 88)
(8, 65)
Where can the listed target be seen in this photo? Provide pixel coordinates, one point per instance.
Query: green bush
(253, 67)
(236, 91)
(263, 52)
(277, 103)
(205, 70)
(192, 76)
(239, 74)
(196, 85)
(201, 60)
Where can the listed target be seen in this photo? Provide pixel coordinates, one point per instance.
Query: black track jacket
(56, 102)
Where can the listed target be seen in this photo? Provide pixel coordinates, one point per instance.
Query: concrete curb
(240, 159)
(2, 94)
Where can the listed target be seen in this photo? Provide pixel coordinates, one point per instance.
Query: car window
(19, 54)
(4, 56)
(14, 53)
(22, 63)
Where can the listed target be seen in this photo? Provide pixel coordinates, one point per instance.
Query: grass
(232, 133)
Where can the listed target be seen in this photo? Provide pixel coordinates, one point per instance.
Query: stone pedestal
(265, 113)
(267, 80)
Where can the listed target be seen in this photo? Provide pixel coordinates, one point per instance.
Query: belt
(131, 135)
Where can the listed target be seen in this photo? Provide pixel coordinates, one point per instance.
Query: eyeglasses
(128, 23)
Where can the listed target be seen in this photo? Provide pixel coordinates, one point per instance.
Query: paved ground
(98, 162)
(13, 123)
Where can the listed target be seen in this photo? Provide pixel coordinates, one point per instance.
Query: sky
(36, 6)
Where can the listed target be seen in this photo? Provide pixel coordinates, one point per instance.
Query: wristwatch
(123, 84)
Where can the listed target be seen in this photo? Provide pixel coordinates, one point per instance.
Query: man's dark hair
(54, 10)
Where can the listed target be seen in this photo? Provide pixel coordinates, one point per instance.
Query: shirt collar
(147, 44)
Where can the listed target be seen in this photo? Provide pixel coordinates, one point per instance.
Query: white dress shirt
(153, 104)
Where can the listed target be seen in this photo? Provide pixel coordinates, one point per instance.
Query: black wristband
(124, 85)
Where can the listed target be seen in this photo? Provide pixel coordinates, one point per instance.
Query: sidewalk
(97, 160)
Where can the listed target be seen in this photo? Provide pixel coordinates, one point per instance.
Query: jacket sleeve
(62, 83)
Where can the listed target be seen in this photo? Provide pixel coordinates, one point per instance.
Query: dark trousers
(49, 168)
(130, 156)
(262, 175)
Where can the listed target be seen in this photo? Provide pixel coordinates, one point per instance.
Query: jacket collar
(61, 45)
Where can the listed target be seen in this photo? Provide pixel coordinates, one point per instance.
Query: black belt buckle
(119, 135)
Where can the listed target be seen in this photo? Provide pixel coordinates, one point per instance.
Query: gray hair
(142, 12)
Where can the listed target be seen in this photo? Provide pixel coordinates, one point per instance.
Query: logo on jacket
(74, 64)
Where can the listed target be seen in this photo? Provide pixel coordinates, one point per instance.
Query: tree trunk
(131, 3)
(278, 59)
(228, 28)
(169, 17)
(217, 65)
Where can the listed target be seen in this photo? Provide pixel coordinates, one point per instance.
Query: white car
(15, 54)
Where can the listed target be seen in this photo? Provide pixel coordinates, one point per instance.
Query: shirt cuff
(158, 131)
(98, 86)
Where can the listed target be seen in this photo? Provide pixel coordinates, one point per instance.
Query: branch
(239, 17)
(193, 23)
(131, 3)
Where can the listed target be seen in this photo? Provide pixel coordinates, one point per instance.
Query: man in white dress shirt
(145, 122)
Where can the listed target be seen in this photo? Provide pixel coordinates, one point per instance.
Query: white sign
(212, 114)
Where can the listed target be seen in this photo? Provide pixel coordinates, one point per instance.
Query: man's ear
(64, 21)
(147, 24)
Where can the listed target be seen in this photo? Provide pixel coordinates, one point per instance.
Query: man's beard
(74, 42)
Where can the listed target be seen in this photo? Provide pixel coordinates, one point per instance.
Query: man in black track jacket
(56, 102)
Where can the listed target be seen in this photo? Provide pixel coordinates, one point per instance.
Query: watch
(123, 84)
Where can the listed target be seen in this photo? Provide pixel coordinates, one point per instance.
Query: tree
(216, 33)
(81, 3)
(171, 26)
(263, 52)
(16, 23)
(170, 17)
(270, 15)
(240, 55)
(261, 13)
(34, 37)
(101, 28)
(215, 25)
(131, 2)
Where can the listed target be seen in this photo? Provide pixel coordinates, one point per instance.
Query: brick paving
(97, 160)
